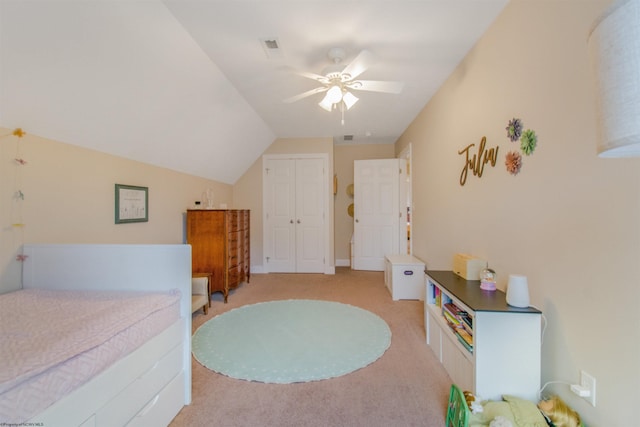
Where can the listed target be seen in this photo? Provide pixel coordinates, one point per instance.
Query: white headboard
(108, 267)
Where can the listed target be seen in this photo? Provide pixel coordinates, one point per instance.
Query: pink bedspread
(42, 330)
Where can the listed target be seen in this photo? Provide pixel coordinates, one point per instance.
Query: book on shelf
(465, 336)
(465, 339)
(467, 323)
(465, 344)
(458, 317)
(451, 319)
(454, 309)
(467, 327)
(436, 296)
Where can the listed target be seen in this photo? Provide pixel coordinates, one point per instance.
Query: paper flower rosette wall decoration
(513, 162)
(528, 141)
(514, 129)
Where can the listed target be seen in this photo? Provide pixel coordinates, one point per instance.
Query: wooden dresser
(219, 242)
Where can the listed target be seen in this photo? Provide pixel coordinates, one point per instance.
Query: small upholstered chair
(200, 294)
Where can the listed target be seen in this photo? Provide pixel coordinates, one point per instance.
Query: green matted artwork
(132, 204)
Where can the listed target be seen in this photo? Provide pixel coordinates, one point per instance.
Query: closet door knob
(298, 221)
(290, 221)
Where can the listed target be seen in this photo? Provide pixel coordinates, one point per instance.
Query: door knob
(298, 221)
(290, 221)
(357, 220)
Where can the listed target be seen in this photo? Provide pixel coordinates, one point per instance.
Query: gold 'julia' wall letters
(476, 162)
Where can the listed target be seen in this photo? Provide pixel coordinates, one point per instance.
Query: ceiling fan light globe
(334, 94)
(349, 99)
(326, 104)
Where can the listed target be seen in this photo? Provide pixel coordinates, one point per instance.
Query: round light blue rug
(291, 341)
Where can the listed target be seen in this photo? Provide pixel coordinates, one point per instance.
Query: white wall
(569, 220)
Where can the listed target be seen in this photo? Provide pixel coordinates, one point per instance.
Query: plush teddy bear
(473, 402)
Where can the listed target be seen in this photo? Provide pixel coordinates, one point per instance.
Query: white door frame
(329, 267)
(406, 189)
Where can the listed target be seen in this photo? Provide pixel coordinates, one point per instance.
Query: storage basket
(458, 412)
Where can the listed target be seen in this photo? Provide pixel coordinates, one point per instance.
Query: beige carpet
(405, 387)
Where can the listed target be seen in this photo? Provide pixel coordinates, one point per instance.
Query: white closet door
(310, 181)
(376, 213)
(279, 202)
(294, 203)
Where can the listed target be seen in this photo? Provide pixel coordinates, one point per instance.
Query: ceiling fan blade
(313, 76)
(305, 94)
(309, 75)
(377, 86)
(363, 61)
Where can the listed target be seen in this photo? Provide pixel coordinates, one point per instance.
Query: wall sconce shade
(518, 291)
(614, 46)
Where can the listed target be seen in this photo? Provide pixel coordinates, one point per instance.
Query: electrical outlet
(588, 383)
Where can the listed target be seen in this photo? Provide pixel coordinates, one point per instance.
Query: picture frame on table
(132, 204)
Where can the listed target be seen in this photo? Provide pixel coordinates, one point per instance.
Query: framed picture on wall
(132, 204)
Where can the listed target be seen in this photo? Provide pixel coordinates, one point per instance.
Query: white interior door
(279, 204)
(376, 212)
(294, 205)
(310, 180)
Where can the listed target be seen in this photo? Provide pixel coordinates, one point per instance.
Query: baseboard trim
(330, 269)
(259, 269)
(343, 263)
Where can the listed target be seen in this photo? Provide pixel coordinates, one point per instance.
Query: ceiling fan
(338, 80)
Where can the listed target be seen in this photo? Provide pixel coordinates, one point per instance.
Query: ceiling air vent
(271, 44)
(271, 47)
(348, 137)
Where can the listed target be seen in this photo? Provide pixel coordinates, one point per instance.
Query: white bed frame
(149, 386)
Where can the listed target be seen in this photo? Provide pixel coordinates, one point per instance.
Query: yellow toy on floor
(467, 410)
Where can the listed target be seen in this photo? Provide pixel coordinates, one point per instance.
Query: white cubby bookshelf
(506, 345)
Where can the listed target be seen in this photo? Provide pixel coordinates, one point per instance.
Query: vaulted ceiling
(189, 85)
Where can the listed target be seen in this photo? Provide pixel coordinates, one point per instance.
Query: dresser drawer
(234, 276)
(163, 407)
(245, 220)
(145, 387)
(235, 239)
(233, 220)
(233, 258)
